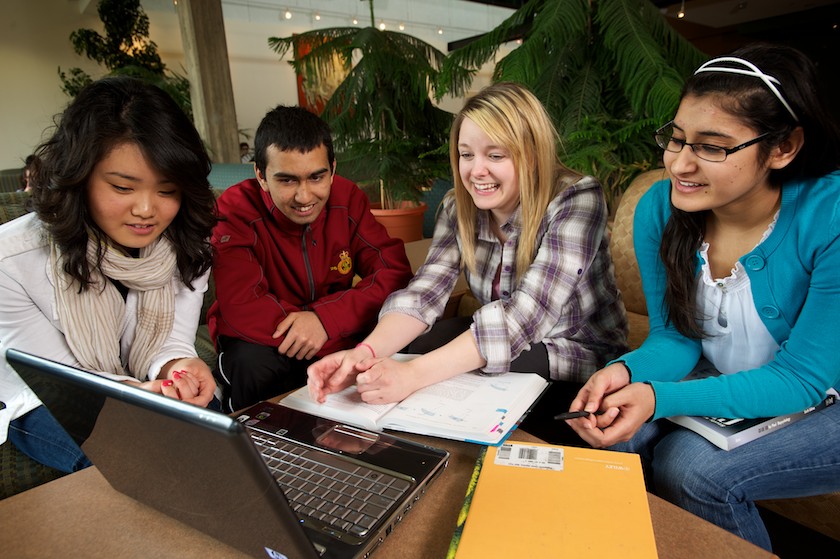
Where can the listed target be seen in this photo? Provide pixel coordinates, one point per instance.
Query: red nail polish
(176, 375)
(167, 382)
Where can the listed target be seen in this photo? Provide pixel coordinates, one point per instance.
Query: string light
(681, 13)
(317, 15)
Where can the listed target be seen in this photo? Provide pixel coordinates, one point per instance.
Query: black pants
(540, 420)
(249, 373)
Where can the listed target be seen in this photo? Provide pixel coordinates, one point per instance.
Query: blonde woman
(530, 236)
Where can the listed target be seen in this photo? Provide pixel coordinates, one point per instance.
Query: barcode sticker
(528, 456)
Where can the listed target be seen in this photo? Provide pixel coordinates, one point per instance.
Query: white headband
(753, 71)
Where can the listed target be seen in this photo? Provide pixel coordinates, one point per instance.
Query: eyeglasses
(708, 152)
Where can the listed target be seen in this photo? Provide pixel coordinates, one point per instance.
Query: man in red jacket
(287, 248)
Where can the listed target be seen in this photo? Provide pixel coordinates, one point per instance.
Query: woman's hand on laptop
(188, 379)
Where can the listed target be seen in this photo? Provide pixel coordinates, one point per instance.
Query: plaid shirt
(567, 299)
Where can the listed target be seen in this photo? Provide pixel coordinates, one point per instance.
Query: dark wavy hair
(291, 129)
(750, 100)
(106, 114)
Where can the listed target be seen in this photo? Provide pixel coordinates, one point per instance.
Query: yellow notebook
(540, 501)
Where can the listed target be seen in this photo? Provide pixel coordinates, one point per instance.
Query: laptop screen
(195, 465)
(202, 467)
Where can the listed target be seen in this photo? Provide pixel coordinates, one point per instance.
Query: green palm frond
(582, 99)
(639, 60)
(679, 53)
(477, 53)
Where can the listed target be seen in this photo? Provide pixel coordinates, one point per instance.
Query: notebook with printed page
(471, 407)
(272, 482)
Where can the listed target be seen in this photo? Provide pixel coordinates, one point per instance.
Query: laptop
(272, 482)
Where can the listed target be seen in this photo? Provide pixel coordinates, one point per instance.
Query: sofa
(10, 179)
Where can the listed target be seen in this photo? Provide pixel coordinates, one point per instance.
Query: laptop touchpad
(347, 439)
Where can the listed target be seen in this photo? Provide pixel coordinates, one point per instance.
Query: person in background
(108, 273)
(530, 236)
(26, 176)
(288, 246)
(245, 152)
(739, 253)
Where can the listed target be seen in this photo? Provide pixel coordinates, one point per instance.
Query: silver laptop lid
(193, 464)
(202, 468)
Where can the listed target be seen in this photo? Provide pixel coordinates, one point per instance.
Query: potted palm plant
(609, 72)
(389, 135)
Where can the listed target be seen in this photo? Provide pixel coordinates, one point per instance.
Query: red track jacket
(265, 266)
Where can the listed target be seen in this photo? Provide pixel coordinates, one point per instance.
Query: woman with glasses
(740, 257)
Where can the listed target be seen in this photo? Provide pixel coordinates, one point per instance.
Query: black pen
(574, 414)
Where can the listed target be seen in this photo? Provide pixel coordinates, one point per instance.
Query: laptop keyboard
(320, 486)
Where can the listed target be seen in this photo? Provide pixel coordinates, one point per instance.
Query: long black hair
(750, 99)
(105, 114)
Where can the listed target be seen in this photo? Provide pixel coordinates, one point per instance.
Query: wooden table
(80, 515)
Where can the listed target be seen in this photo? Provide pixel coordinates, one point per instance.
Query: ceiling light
(402, 26)
(355, 21)
(681, 13)
(317, 16)
(287, 15)
(440, 31)
(382, 26)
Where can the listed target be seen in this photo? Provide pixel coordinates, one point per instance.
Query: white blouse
(737, 339)
(29, 320)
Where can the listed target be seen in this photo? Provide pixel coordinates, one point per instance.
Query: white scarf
(93, 319)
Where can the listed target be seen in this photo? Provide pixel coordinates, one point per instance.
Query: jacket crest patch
(345, 264)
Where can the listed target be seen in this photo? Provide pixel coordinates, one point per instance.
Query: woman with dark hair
(108, 273)
(739, 253)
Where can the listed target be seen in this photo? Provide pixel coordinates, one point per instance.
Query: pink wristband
(370, 349)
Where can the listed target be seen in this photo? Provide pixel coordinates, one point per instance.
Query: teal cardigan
(795, 281)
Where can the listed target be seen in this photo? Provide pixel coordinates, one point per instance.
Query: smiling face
(131, 202)
(487, 171)
(298, 183)
(732, 186)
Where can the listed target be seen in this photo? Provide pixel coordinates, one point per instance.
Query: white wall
(34, 42)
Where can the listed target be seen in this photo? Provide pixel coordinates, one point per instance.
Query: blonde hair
(515, 119)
